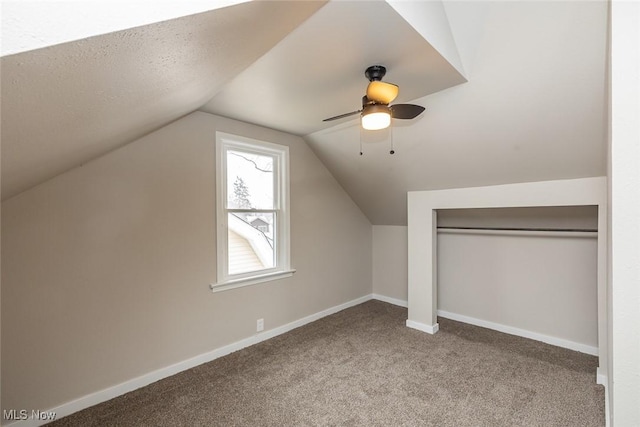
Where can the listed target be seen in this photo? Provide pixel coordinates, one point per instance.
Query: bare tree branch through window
(255, 165)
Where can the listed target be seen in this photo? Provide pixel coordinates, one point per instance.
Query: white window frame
(282, 268)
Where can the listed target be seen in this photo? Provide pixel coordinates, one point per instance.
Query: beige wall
(106, 268)
(541, 284)
(390, 261)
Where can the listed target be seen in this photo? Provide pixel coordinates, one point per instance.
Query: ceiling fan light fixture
(376, 117)
(382, 92)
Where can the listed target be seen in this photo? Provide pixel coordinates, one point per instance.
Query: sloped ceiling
(318, 70)
(35, 24)
(66, 104)
(534, 109)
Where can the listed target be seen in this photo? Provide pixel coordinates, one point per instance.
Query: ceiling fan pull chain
(391, 139)
(361, 141)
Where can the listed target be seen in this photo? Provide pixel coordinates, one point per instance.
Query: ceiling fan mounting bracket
(375, 73)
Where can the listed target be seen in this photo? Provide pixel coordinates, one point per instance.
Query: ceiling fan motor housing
(366, 101)
(375, 73)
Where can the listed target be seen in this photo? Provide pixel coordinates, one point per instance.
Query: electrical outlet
(260, 325)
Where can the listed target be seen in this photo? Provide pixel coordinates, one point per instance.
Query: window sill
(248, 281)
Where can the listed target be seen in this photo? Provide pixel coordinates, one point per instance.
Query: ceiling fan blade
(382, 92)
(342, 116)
(405, 111)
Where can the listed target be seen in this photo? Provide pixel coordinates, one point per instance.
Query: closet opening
(526, 271)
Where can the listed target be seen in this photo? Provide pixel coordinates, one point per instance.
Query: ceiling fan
(376, 112)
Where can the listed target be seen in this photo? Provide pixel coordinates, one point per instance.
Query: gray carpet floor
(363, 367)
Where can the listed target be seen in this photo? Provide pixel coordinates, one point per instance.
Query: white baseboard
(430, 329)
(146, 379)
(582, 348)
(559, 342)
(602, 379)
(394, 301)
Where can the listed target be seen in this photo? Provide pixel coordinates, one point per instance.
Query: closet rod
(560, 230)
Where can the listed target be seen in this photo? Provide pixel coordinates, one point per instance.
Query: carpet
(364, 367)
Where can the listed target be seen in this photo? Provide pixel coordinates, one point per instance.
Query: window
(252, 197)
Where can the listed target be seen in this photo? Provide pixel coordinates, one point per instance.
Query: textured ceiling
(67, 104)
(34, 24)
(534, 109)
(318, 70)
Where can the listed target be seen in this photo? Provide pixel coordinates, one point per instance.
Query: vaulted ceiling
(66, 104)
(534, 109)
(514, 91)
(318, 70)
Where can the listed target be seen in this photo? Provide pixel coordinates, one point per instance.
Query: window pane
(249, 180)
(250, 243)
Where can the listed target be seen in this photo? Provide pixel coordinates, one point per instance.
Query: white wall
(431, 21)
(624, 178)
(106, 268)
(0, 290)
